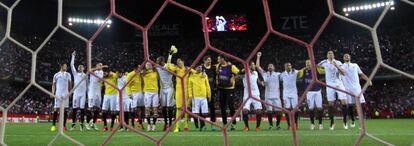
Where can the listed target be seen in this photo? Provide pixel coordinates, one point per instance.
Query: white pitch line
(230, 135)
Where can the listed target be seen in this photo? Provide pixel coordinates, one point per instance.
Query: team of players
(153, 86)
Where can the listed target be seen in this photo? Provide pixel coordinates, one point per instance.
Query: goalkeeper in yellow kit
(200, 94)
(180, 70)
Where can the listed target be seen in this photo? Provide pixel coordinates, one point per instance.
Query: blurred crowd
(32, 102)
(390, 99)
(397, 48)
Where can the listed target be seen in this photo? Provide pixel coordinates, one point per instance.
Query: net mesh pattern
(208, 47)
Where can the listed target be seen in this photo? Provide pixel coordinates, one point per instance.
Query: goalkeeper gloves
(173, 50)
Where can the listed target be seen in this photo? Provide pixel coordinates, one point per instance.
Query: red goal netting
(208, 47)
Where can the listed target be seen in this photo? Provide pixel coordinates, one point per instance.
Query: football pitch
(398, 132)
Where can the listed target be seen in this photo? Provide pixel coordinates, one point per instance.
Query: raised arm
(72, 63)
(173, 50)
(259, 68)
(224, 20)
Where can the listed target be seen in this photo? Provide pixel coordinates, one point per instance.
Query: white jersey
(79, 80)
(289, 83)
(62, 79)
(351, 77)
(331, 72)
(94, 84)
(121, 83)
(253, 85)
(165, 78)
(272, 81)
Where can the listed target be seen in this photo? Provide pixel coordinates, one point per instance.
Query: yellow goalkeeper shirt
(136, 83)
(180, 71)
(112, 78)
(198, 86)
(150, 79)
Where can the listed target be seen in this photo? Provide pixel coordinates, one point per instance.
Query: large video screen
(227, 23)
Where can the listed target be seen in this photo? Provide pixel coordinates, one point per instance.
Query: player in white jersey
(126, 104)
(79, 94)
(257, 106)
(94, 96)
(61, 86)
(333, 69)
(220, 23)
(351, 83)
(272, 91)
(166, 92)
(290, 91)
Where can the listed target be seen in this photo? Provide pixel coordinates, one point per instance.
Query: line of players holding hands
(153, 86)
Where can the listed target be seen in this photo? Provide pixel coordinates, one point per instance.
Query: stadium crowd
(32, 102)
(390, 100)
(359, 45)
(395, 44)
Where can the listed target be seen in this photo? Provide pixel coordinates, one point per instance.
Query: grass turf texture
(398, 132)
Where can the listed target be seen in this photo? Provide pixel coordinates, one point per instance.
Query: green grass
(398, 132)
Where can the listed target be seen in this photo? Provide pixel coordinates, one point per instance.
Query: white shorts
(274, 101)
(356, 92)
(167, 97)
(94, 99)
(330, 92)
(126, 103)
(110, 103)
(78, 100)
(256, 104)
(59, 98)
(137, 100)
(200, 103)
(290, 101)
(151, 99)
(314, 98)
(273, 94)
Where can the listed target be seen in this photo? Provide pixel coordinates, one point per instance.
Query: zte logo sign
(294, 22)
